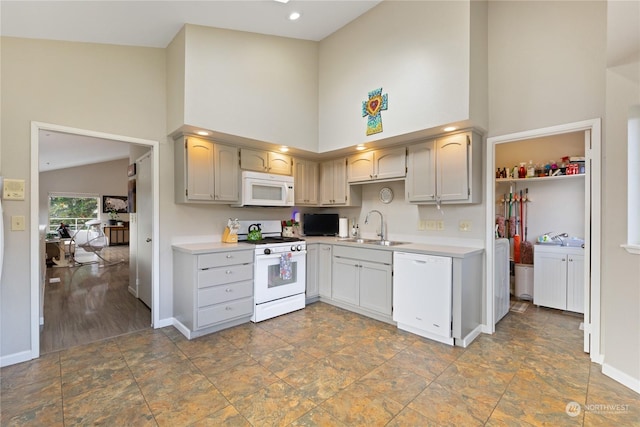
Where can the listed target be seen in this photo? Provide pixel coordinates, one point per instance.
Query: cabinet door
(226, 173)
(254, 160)
(421, 166)
(305, 175)
(375, 287)
(575, 283)
(390, 163)
(452, 180)
(324, 270)
(279, 163)
(344, 283)
(340, 182)
(326, 183)
(311, 183)
(199, 169)
(360, 167)
(550, 280)
(312, 270)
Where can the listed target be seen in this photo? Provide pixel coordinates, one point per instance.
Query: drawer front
(224, 293)
(219, 259)
(223, 275)
(222, 312)
(372, 255)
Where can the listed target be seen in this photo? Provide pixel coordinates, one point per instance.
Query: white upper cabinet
(446, 169)
(265, 161)
(306, 177)
(205, 171)
(383, 164)
(334, 189)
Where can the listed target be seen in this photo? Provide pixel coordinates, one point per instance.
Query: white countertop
(207, 247)
(422, 248)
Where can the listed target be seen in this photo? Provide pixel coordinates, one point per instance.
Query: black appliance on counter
(320, 224)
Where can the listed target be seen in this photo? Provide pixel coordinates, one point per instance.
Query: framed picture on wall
(118, 203)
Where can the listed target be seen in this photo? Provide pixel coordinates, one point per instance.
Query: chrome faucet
(366, 221)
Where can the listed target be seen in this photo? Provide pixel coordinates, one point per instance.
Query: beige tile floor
(322, 366)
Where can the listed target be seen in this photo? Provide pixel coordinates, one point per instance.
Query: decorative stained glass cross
(372, 108)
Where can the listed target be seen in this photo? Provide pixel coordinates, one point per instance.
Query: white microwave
(265, 189)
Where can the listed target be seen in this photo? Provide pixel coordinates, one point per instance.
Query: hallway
(90, 303)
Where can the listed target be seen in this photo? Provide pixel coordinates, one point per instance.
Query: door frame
(593, 241)
(34, 246)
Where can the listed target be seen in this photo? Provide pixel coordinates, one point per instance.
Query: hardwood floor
(90, 303)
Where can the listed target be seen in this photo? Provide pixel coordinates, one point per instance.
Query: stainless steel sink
(374, 242)
(385, 243)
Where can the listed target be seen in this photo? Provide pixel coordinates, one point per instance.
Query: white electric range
(279, 270)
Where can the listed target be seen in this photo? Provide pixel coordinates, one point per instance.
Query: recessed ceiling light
(202, 133)
(284, 148)
(450, 128)
(360, 147)
(282, 1)
(294, 15)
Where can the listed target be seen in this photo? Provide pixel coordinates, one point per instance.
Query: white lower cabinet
(558, 277)
(362, 280)
(318, 271)
(422, 295)
(212, 291)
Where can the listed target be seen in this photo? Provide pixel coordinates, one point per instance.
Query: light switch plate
(17, 223)
(440, 225)
(431, 225)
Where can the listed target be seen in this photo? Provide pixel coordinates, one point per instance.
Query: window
(72, 209)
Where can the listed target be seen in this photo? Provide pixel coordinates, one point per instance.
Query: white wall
(107, 178)
(113, 89)
(253, 86)
(418, 52)
(546, 63)
(620, 270)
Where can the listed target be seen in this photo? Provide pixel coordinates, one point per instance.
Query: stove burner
(268, 240)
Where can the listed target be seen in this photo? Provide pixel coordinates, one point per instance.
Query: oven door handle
(273, 256)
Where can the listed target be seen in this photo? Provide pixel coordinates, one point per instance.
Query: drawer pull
(228, 290)
(228, 272)
(229, 256)
(228, 308)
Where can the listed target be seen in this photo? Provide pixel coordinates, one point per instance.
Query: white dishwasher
(422, 295)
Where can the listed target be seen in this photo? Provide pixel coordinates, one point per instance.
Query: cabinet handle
(370, 176)
(228, 308)
(229, 256)
(228, 272)
(563, 259)
(228, 290)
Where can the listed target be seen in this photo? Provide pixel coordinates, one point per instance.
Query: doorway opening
(590, 131)
(36, 277)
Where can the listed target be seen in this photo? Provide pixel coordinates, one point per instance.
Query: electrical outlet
(17, 223)
(422, 225)
(440, 225)
(431, 225)
(464, 225)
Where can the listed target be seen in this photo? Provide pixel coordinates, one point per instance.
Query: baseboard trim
(183, 329)
(163, 323)
(621, 377)
(464, 342)
(13, 359)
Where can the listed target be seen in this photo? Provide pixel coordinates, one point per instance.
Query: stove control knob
(299, 247)
(293, 248)
(267, 251)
